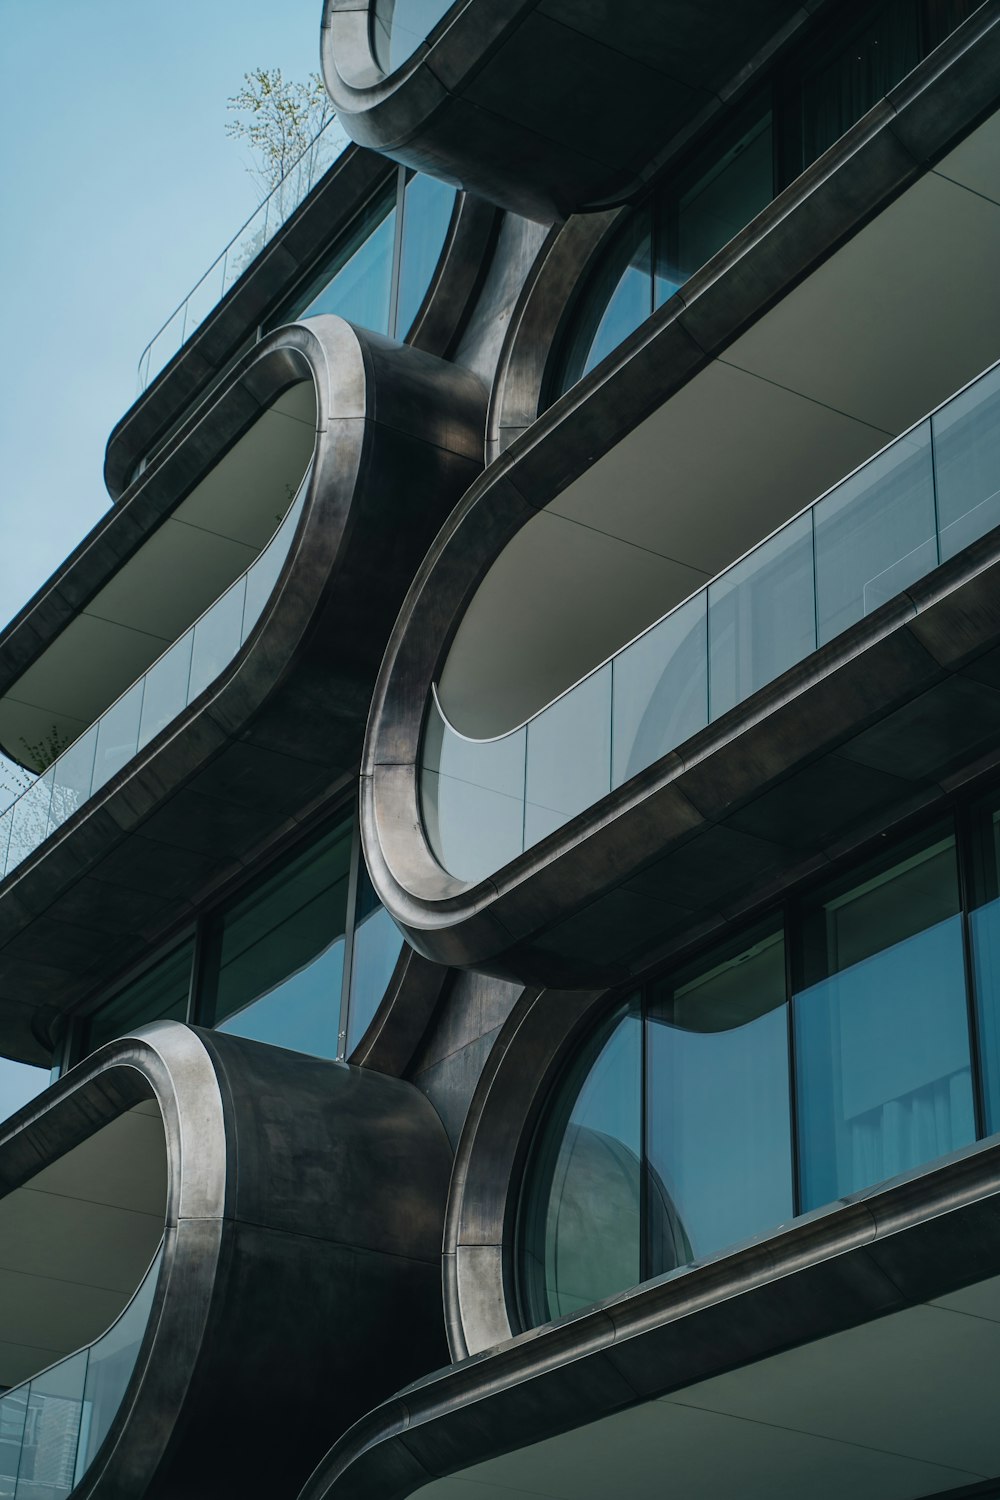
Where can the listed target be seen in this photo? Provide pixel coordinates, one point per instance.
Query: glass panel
(472, 799)
(582, 1221)
(263, 575)
(160, 994)
(942, 16)
(112, 1360)
(217, 638)
(725, 187)
(761, 616)
(569, 756)
(274, 959)
(399, 26)
(718, 1136)
(881, 1025)
(13, 1410)
(30, 820)
(6, 822)
(842, 88)
(378, 943)
(117, 735)
(356, 281)
(166, 693)
(427, 209)
(72, 776)
(617, 299)
(660, 689)
(984, 929)
(52, 1430)
(875, 534)
(967, 464)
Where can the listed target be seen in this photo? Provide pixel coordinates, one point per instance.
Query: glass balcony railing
(261, 227)
(167, 687)
(53, 1425)
(915, 504)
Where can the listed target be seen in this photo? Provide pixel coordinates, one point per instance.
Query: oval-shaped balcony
(149, 1292)
(209, 650)
(916, 504)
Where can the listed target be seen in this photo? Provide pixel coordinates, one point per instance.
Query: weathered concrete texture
(448, 1064)
(399, 437)
(548, 106)
(300, 1281)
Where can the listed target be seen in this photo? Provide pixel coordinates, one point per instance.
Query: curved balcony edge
(399, 437)
(872, 1255)
(478, 101)
(356, 1258)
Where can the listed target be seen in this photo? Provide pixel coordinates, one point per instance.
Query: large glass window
(807, 104)
(274, 961)
(582, 1232)
(159, 994)
(718, 1130)
(828, 1050)
(380, 271)
(881, 1024)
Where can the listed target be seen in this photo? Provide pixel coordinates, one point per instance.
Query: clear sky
(119, 188)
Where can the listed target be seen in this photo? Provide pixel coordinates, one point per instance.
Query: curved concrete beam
(284, 1284)
(546, 107)
(566, 911)
(399, 437)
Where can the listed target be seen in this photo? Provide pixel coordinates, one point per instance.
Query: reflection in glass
(51, 1430)
(428, 205)
(875, 534)
(166, 689)
(356, 281)
(761, 616)
(217, 637)
(117, 735)
(13, 1412)
(660, 690)
(984, 931)
(29, 825)
(559, 785)
(581, 1227)
(718, 1135)
(378, 943)
(72, 775)
(399, 26)
(274, 957)
(726, 186)
(617, 299)
(967, 464)
(881, 1025)
(160, 994)
(472, 798)
(109, 1369)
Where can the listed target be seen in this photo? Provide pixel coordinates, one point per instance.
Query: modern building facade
(510, 888)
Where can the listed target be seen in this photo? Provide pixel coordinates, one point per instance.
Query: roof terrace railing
(913, 505)
(52, 1426)
(246, 244)
(164, 690)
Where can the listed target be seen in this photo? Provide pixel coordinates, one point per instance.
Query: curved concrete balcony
(183, 760)
(542, 106)
(195, 1303)
(630, 514)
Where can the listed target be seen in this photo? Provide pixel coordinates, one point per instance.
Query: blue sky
(120, 187)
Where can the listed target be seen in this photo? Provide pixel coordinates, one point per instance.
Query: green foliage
(278, 119)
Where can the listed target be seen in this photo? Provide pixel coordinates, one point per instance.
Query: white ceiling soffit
(891, 325)
(901, 1407)
(76, 1240)
(207, 542)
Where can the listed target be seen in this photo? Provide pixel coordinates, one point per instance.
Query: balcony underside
(855, 1350)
